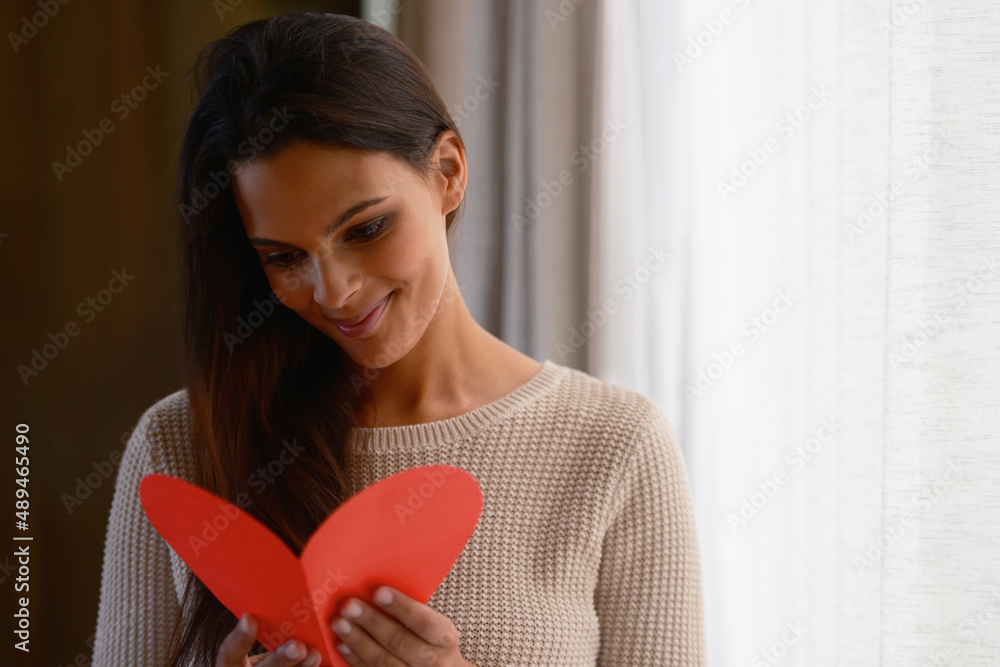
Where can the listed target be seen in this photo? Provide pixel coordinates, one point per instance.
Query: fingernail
(313, 660)
(352, 609)
(343, 648)
(293, 650)
(383, 595)
(245, 624)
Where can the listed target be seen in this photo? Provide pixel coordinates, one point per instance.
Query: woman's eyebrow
(332, 227)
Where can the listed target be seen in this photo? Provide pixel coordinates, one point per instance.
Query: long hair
(263, 384)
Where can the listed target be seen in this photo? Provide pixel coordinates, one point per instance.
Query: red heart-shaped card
(405, 531)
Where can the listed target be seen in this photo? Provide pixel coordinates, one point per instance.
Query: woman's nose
(334, 282)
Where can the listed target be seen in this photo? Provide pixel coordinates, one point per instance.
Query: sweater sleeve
(648, 596)
(138, 604)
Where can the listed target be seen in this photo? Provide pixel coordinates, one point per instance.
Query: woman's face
(340, 231)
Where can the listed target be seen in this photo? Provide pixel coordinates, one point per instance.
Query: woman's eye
(366, 233)
(370, 231)
(284, 259)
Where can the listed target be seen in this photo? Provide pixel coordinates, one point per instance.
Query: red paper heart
(406, 531)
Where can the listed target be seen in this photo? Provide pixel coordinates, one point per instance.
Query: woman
(319, 177)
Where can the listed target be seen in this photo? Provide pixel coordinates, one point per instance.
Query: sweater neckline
(453, 428)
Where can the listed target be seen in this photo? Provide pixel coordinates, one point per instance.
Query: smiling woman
(355, 270)
(357, 348)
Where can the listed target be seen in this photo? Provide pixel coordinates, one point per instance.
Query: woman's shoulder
(168, 417)
(164, 432)
(591, 397)
(601, 404)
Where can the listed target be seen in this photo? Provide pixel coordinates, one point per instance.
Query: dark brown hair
(259, 378)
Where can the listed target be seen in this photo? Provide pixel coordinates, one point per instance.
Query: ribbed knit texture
(586, 552)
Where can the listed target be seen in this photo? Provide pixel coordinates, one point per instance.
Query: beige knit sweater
(586, 552)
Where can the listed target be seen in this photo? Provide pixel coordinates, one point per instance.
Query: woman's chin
(371, 359)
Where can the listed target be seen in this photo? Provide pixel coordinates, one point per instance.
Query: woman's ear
(449, 154)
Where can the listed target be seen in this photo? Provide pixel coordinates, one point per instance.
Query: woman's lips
(365, 321)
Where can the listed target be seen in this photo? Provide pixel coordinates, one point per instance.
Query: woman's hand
(234, 648)
(422, 636)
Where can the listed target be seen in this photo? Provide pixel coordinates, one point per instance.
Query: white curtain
(826, 334)
(788, 234)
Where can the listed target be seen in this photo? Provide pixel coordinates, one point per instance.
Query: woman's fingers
(234, 648)
(281, 658)
(399, 631)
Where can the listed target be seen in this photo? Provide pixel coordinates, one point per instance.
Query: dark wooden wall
(62, 237)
